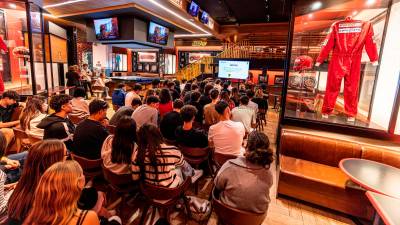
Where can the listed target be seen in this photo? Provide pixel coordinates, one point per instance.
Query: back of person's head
(149, 143)
(79, 92)
(57, 101)
(137, 87)
(195, 96)
(221, 106)
(136, 102)
(250, 93)
(152, 99)
(214, 94)
(123, 141)
(41, 156)
(217, 81)
(121, 86)
(178, 104)
(235, 91)
(194, 87)
(226, 85)
(32, 109)
(177, 83)
(165, 96)
(155, 82)
(187, 87)
(224, 96)
(184, 81)
(244, 100)
(3, 144)
(188, 113)
(165, 83)
(10, 94)
(208, 88)
(171, 85)
(57, 194)
(258, 150)
(71, 68)
(97, 105)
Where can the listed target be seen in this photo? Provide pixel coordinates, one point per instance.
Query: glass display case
(22, 64)
(340, 63)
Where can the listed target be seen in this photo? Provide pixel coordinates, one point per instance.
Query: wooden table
(387, 208)
(373, 176)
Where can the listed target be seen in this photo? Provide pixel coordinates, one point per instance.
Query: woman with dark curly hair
(244, 182)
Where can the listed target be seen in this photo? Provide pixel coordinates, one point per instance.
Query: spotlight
(370, 2)
(12, 5)
(316, 5)
(354, 13)
(310, 15)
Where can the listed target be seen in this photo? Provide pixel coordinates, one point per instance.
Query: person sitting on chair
(188, 136)
(244, 183)
(101, 84)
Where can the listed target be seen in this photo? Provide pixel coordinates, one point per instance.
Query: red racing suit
(3, 47)
(347, 38)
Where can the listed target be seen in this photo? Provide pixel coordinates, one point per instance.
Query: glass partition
(335, 60)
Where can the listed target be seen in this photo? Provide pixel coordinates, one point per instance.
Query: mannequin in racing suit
(347, 38)
(3, 50)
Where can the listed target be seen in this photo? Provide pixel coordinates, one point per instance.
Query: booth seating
(309, 171)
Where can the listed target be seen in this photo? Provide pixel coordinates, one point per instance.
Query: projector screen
(233, 69)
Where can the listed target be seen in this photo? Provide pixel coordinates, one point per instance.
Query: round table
(373, 176)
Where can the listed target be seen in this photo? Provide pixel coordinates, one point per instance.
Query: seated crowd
(143, 139)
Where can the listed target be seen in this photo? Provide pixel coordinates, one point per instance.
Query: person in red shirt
(346, 38)
(165, 102)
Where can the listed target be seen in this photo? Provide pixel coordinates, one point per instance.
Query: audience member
(244, 182)
(244, 114)
(125, 111)
(235, 97)
(218, 85)
(80, 107)
(133, 93)
(147, 113)
(34, 111)
(226, 136)
(117, 149)
(171, 121)
(178, 87)
(174, 93)
(187, 96)
(261, 99)
(158, 163)
(155, 85)
(57, 195)
(73, 79)
(148, 93)
(253, 105)
(86, 78)
(90, 133)
(57, 125)
(5, 190)
(41, 155)
(118, 96)
(8, 104)
(185, 90)
(101, 84)
(183, 84)
(205, 97)
(165, 105)
(224, 96)
(211, 116)
(194, 101)
(188, 136)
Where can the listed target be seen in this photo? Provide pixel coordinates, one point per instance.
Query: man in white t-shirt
(226, 136)
(132, 94)
(244, 114)
(253, 105)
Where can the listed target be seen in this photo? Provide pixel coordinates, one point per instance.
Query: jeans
(13, 175)
(88, 86)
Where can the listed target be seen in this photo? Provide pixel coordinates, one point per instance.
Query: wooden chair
(195, 156)
(111, 128)
(91, 168)
(22, 141)
(164, 198)
(75, 119)
(231, 216)
(120, 184)
(219, 159)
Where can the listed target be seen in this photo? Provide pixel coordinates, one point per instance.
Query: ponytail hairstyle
(258, 150)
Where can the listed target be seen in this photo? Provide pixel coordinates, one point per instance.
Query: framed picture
(278, 80)
(263, 79)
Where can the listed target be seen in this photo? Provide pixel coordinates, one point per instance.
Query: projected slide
(233, 69)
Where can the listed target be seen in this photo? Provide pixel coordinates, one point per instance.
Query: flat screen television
(193, 9)
(157, 34)
(233, 69)
(204, 17)
(106, 29)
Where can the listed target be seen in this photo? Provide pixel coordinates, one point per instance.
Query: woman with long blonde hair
(57, 195)
(33, 113)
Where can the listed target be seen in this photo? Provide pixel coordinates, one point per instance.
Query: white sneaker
(197, 174)
(351, 119)
(325, 116)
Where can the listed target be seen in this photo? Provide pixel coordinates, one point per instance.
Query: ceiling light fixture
(12, 5)
(62, 3)
(354, 13)
(310, 15)
(371, 2)
(316, 5)
(191, 35)
(177, 15)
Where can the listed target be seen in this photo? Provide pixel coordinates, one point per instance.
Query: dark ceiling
(246, 11)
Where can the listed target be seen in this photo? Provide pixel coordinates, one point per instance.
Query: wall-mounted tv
(204, 17)
(106, 29)
(157, 34)
(233, 69)
(193, 9)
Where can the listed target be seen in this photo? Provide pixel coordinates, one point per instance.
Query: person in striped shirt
(157, 163)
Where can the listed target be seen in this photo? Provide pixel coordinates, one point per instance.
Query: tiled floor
(280, 212)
